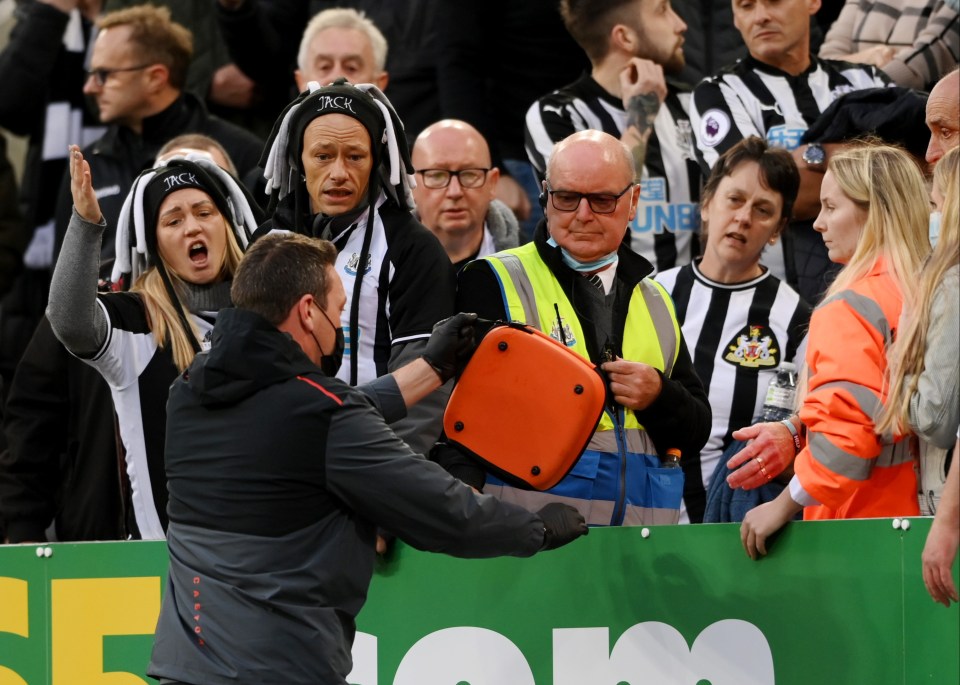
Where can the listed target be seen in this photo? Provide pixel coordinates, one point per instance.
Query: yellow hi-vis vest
(532, 295)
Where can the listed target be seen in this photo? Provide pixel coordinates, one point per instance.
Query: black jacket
(263, 39)
(38, 71)
(491, 66)
(13, 233)
(61, 463)
(42, 93)
(278, 477)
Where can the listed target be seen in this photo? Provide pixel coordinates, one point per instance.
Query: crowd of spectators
(747, 215)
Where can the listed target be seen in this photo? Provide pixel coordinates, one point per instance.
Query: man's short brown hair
(590, 23)
(156, 38)
(278, 270)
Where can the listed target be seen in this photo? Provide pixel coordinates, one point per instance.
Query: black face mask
(330, 363)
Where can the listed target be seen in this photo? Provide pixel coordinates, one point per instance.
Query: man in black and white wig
(337, 167)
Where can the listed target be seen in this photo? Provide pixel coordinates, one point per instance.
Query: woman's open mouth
(198, 253)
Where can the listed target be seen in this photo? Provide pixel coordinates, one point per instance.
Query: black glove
(451, 343)
(562, 524)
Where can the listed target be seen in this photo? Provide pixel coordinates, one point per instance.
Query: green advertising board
(835, 603)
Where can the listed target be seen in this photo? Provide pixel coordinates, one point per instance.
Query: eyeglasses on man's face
(100, 76)
(600, 203)
(440, 178)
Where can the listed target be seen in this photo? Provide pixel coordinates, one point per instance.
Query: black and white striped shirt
(139, 374)
(668, 218)
(737, 335)
(751, 98)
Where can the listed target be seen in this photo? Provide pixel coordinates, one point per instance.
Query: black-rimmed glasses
(440, 178)
(600, 203)
(100, 76)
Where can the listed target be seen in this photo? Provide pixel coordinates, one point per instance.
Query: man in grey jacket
(279, 474)
(456, 186)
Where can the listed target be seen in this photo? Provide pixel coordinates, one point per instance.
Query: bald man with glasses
(577, 283)
(456, 186)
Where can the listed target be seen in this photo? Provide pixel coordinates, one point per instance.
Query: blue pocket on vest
(579, 482)
(596, 476)
(651, 485)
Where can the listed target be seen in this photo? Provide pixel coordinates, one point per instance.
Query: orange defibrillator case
(525, 405)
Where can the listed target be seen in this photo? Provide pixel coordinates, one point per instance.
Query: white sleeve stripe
(106, 340)
(409, 338)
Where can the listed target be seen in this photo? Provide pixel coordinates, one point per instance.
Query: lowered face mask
(583, 267)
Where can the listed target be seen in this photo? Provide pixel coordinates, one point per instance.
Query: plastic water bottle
(781, 394)
(671, 459)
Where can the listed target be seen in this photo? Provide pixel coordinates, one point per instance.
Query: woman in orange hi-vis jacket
(873, 219)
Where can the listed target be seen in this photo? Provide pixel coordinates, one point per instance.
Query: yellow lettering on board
(87, 609)
(13, 619)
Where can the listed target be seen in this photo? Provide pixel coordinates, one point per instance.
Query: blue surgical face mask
(934, 229)
(583, 267)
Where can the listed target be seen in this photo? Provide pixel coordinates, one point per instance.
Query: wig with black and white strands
(391, 173)
(136, 240)
(136, 232)
(283, 167)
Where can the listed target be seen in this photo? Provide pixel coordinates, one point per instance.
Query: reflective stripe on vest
(596, 512)
(523, 276)
(854, 467)
(867, 401)
(528, 302)
(664, 322)
(867, 308)
(637, 441)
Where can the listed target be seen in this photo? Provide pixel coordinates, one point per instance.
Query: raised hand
(81, 186)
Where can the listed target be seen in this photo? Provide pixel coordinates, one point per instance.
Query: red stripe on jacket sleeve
(321, 389)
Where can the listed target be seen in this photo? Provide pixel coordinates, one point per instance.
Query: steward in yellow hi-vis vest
(620, 478)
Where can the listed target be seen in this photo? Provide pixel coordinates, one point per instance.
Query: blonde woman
(924, 376)
(873, 220)
(180, 238)
(925, 381)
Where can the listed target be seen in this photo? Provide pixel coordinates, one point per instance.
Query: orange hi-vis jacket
(845, 466)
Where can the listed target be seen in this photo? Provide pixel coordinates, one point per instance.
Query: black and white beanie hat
(136, 240)
(393, 170)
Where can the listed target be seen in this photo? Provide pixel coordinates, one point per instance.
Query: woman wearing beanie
(181, 233)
